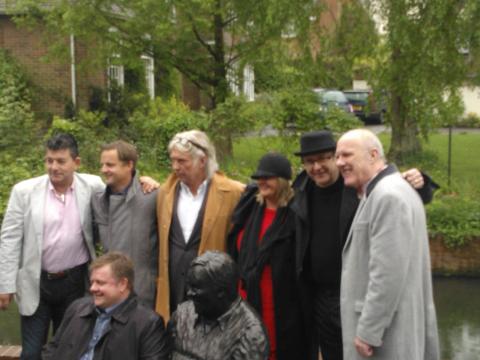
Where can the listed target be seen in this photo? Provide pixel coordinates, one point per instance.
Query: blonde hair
(284, 192)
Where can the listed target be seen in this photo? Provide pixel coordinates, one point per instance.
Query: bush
(19, 139)
(471, 120)
(151, 130)
(456, 219)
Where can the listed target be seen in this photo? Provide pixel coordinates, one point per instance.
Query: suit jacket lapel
(82, 198)
(350, 233)
(212, 208)
(38, 196)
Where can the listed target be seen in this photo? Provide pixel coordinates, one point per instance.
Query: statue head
(212, 281)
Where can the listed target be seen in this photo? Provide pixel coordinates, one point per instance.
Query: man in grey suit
(125, 217)
(387, 307)
(46, 243)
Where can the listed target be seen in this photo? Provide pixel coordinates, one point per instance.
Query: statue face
(208, 301)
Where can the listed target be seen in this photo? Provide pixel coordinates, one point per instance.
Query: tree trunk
(223, 134)
(404, 140)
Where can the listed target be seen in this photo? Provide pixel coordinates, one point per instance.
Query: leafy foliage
(455, 218)
(421, 66)
(19, 136)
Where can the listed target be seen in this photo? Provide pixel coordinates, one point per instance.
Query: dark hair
(121, 265)
(221, 270)
(126, 151)
(63, 141)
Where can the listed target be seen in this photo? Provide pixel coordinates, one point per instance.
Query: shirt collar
(201, 189)
(109, 310)
(52, 188)
(124, 191)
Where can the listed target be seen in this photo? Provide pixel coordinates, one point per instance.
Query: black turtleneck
(325, 242)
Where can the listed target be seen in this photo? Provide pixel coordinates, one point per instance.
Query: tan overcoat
(223, 196)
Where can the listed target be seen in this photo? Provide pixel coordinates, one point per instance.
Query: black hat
(316, 142)
(273, 165)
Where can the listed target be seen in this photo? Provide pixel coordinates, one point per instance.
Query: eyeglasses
(320, 160)
(187, 142)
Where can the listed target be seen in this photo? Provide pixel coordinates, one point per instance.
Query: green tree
(421, 64)
(208, 41)
(347, 49)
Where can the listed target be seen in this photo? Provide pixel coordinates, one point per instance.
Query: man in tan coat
(194, 209)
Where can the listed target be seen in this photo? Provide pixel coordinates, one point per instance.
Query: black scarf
(254, 255)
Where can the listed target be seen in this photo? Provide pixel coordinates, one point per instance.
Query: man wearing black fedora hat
(324, 210)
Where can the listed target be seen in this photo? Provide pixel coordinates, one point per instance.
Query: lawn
(465, 172)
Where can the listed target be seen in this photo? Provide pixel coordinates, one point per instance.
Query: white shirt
(188, 207)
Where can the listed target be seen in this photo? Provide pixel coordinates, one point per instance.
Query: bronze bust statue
(215, 323)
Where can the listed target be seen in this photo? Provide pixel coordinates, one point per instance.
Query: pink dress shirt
(63, 243)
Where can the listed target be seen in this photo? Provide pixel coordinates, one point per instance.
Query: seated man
(215, 323)
(110, 324)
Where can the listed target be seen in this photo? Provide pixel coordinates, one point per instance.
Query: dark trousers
(328, 328)
(56, 294)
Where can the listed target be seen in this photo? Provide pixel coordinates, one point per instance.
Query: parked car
(329, 98)
(365, 106)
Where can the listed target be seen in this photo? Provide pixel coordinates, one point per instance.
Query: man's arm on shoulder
(421, 182)
(11, 238)
(155, 342)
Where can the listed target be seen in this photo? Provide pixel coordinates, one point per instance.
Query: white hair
(198, 145)
(368, 139)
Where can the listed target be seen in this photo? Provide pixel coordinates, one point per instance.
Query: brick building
(55, 83)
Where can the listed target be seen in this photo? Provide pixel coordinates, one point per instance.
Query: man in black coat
(324, 210)
(110, 324)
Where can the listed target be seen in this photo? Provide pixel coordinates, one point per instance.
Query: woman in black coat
(262, 243)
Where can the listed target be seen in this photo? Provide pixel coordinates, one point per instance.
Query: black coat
(348, 208)
(290, 330)
(134, 332)
(302, 217)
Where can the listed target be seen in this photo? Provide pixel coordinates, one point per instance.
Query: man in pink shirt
(46, 243)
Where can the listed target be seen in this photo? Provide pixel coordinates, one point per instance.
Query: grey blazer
(128, 224)
(21, 236)
(386, 286)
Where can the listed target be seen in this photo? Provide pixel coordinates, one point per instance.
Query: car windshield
(334, 96)
(356, 95)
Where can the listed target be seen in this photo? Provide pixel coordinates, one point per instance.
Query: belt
(62, 274)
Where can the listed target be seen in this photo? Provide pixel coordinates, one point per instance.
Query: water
(458, 310)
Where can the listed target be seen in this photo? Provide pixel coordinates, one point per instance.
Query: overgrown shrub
(151, 130)
(471, 120)
(455, 218)
(19, 135)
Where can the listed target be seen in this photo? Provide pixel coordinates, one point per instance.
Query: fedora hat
(273, 165)
(316, 142)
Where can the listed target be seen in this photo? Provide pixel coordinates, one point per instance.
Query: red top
(266, 287)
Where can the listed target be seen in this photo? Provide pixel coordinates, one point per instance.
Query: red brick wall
(51, 79)
(464, 260)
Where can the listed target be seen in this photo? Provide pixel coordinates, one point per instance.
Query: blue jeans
(55, 296)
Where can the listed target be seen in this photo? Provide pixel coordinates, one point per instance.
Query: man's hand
(5, 300)
(148, 184)
(414, 178)
(363, 348)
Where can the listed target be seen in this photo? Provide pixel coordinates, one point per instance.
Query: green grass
(465, 173)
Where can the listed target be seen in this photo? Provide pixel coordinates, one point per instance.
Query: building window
(249, 82)
(149, 75)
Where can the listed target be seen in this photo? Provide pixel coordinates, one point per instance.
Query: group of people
(336, 262)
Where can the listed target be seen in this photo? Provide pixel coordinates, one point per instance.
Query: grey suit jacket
(386, 286)
(129, 224)
(21, 236)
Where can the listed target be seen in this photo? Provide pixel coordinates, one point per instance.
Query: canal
(458, 310)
